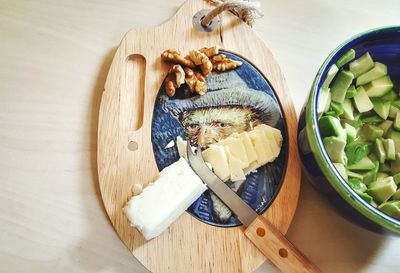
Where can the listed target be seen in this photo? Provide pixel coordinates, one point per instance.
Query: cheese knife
(263, 234)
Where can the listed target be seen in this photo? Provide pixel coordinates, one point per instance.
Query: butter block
(215, 155)
(163, 201)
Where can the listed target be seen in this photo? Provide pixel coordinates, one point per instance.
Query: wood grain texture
(277, 248)
(201, 247)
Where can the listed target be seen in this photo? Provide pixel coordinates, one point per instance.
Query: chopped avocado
(329, 126)
(396, 124)
(385, 125)
(331, 113)
(355, 123)
(371, 120)
(351, 92)
(396, 103)
(384, 167)
(362, 101)
(361, 65)
(393, 111)
(357, 185)
(395, 136)
(381, 175)
(351, 174)
(371, 132)
(391, 208)
(382, 108)
(390, 149)
(378, 71)
(324, 100)
(335, 148)
(357, 151)
(396, 178)
(396, 195)
(341, 169)
(333, 70)
(351, 132)
(348, 109)
(378, 87)
(395, 165)
(367, 198)
(346, 57)
(340, 85)
(379, 150)
(370, 176)
(337, 108)
(364, 164)
(382, 189)
(390, 96)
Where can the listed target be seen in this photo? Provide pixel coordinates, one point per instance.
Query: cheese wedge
(263, 149)
(163, 201)
(235, 166)
(250, 151)
(237, 148)
(215, 155)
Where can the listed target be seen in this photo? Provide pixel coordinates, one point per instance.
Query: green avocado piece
(385, 168)
(382, 189)
(335, 148)
(333, 70)
(351, 132)
(362, 101)
(371, 132)
(379, 150)
(378, 87)
(390, 96)
(337, 108)
(350, 93)
(364, 164)
(395, 136)
(351, 174)
(340, 85)
(329, 126)
(357, 185)
(390, 149)
(396, 124)
(396, 103)
(355, 123)
(391, 208)
(371, 120)
(342, 170)
(395, 165)
(396, 178)
(361, 65)
(368, 198)
(381, 175)
(385, 125)
(324, 100)
(393, 111)
(371, 176)
(396, 195)
(348, 109)
(378, 71)
(346, 57)
(382, 108)
(356, 151)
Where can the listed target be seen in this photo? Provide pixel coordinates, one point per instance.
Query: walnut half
(174, 79)
(201, 59)
(195, 81)
(222, 63)
(174, 56)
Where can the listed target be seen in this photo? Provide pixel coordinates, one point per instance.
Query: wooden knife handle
(277, 248)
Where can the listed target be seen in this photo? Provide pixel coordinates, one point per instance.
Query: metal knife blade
(243, 211)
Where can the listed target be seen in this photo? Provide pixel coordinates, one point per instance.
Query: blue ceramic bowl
(384, 46)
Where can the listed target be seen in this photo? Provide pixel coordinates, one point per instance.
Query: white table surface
(54, 57)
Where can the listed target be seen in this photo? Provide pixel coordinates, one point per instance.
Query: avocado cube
(382, 108)
(364, 164)
(385, 168)
(342, 170)
(372, 119)
(357, 185)
(390, 149)
(390, 96)
(337, 108)
(367, 198)
(345, 58)
(335, 148)
(395, 165)
(396, 178)
(351, 174)
(396, 102)
(324, 101)
(329, 126)
(371, 132)
(378, 87)
(379, 150)
(395, 136)
(355, 151)
(396, 124)
(393, 110)
(385, 125)
(348, 109)
(340, 85)
(362, 101)
(381, 175)
(350, 93)
(361, 65)
(378, 71)
(391, 208)
(371, 176)
(351, 132)
(333, 70)
(382, 189)
(396, 195)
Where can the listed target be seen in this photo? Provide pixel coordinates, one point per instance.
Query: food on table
(359, 121)
(164, 200)
(194, 68)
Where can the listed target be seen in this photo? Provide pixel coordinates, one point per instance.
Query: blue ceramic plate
(235, 101)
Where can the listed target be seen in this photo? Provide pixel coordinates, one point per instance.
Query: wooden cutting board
(125, 153)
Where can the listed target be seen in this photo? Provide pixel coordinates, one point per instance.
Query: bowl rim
(321, 157)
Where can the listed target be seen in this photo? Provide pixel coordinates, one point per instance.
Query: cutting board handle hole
(135, 85)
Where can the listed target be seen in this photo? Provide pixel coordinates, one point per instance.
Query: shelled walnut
(195, 81)
(175, 57)
(222, 63)
(174, 79)
(210, 51)
(201, 59)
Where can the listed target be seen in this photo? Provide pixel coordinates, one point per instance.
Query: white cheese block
(250, 152)
(215, 155)
(181, 145)
(163, 201)
(273, 137)
(263, 149)
(236, 147)
(235, 166)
